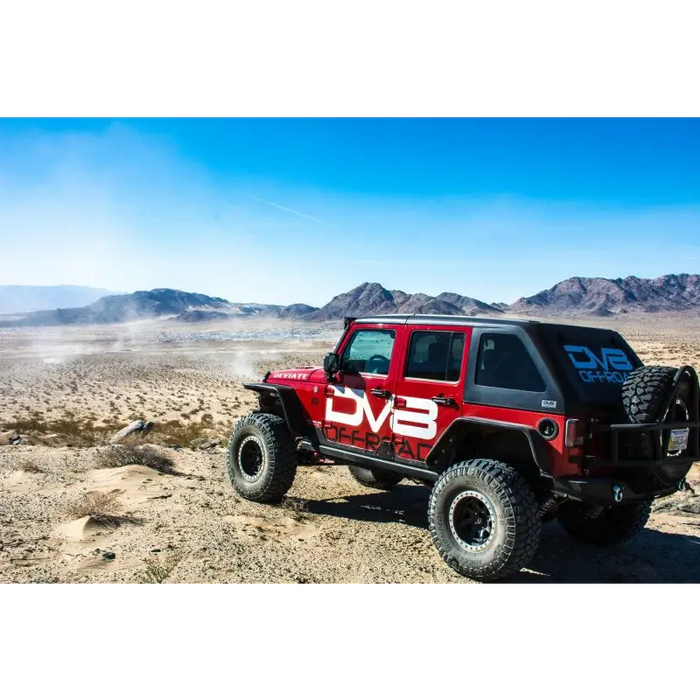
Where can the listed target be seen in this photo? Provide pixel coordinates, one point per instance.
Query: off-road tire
(516, 526)
(645, 391)
(645, 394)
(375, 478)
(614, 525)
(269, 434)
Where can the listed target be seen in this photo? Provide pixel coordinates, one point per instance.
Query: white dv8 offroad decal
(418, 422)
(609, 366)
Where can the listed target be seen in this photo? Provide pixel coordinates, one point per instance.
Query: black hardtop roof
(446, 320)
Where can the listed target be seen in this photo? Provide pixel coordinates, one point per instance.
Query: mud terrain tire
(467, 495)
(375, 478)
(616, 524)
(645, 395)
(261, 458)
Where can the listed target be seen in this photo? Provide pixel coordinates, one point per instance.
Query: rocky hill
(20, 298)
(371, 298)
(606, 297)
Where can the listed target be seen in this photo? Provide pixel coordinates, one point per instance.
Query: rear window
(505, 363)
(596, 361)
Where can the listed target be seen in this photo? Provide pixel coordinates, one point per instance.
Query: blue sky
(283, 210)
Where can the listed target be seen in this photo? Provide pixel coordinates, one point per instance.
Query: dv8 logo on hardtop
(610, 365)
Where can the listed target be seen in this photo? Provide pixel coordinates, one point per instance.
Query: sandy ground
(187, 525)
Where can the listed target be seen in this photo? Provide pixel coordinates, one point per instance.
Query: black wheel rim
(472, 521)
(251, 457)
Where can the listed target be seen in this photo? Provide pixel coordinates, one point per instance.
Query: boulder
(204, 443)
(138, 427)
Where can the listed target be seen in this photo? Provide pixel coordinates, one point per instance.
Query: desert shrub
(146, 455)
(157, 570)
(73, 431)
(30, 466)
(100, 506)
(297, 507)
(174, 432)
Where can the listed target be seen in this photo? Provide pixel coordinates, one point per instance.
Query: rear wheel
(375, 478)
(614, 525)
(483, 519)
(261, 458)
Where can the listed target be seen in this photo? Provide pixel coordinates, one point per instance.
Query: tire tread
(282, 456)
(512, 488)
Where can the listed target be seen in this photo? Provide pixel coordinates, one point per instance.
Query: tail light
(574, 433)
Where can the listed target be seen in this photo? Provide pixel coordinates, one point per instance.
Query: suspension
(550, 504)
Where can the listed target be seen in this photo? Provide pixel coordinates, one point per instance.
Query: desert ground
(74, 509)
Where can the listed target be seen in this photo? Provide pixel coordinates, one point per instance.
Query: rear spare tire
(261, 458)
(375, 478)
(647, 398)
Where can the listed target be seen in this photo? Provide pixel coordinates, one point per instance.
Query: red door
(358, 407)
(429, 388)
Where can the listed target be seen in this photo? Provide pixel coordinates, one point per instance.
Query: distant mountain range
(156, 304)
(371, 298)
(576, 296)
(598, 296)
(15, 298)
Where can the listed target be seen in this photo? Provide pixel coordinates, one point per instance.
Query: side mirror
(331, 364)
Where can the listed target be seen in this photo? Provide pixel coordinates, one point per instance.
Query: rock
(15, 439)
(138, 426)
(691, 506)
(109, 556)
(204, 443)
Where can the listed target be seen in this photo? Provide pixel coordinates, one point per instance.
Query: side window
(369, 351)
(505, 363)
(435, 355)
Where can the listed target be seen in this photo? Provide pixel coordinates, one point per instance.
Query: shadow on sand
(651, 557)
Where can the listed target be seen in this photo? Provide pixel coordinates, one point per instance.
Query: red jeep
(508, 422)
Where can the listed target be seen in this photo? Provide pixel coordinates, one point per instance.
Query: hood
(298, 374)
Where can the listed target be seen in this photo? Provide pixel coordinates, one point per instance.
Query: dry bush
(146, 455)
(175, 432)
(103, 507)
(30, 466)
(297, 507)
(74, 432)
(157, 570)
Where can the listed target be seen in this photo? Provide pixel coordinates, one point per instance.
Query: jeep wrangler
(510, 423)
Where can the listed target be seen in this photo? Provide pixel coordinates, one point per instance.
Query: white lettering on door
(424, 416)
(418, 423)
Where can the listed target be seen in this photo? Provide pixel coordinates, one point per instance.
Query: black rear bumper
(601, 491)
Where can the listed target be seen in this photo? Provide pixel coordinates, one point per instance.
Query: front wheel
(261, 458)
(483, 519)
(614, 525)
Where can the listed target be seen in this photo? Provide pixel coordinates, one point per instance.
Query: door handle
(444, 401)
(381, 393)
